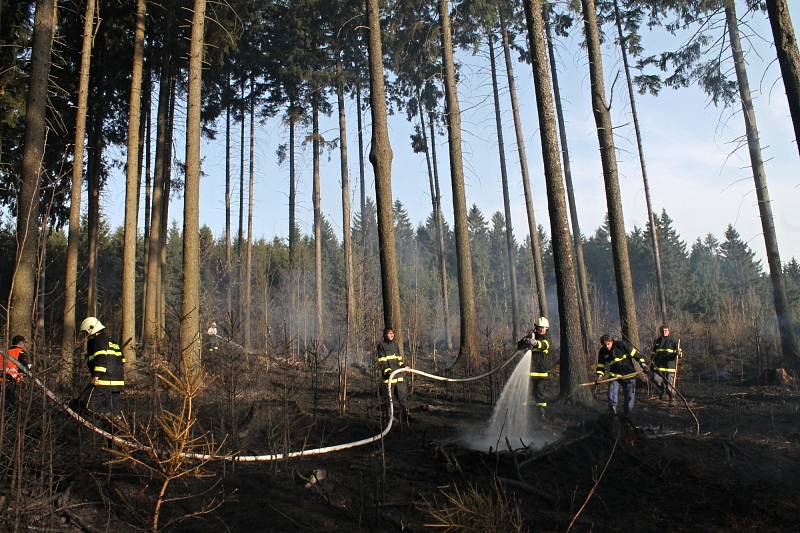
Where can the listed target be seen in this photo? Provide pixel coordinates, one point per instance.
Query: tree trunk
(94, 179)
(228, 266)
(608, 157)
(128, 340)
(190, 306)
(71, 274)
(293, 281)
(162, 250)
(788, 57)
(148, 199)
(380, 156)
(573, 369)
(240, 235)
(662, 295)
(151, 332)
(510, 247)
(433, 179)
(24, 278)
(533, 229)
(361, 173)
(350, 303)
(247, 307)
(583, 278)
(782, 308)
(466, 293)
(315, 143)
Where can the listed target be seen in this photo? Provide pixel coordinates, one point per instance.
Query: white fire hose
(263, 457)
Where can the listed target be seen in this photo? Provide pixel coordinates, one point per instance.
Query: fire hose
(643, 373)
(261, 458)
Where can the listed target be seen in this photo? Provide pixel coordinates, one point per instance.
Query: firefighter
(388, 359)
(213, 345)
(11, 375)
(536, 341)
(664, 363)
(105, 361)
(616, 360)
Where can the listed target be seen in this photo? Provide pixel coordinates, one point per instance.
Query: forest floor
(742, 472)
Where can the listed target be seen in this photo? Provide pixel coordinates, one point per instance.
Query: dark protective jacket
(618, 361)
(539, 345)
(664, 354)
(388, 359)
(10, 370)
(105, 362)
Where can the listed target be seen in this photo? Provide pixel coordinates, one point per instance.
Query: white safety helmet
(91, 325)
(542, 322)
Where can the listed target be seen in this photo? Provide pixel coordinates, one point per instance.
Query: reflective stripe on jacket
(664, 352)
(618, 361)
(105, 361)
(388, 359)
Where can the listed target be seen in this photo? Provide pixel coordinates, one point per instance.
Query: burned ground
(742, 471)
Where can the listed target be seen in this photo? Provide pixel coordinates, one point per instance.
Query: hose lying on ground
(263, 457)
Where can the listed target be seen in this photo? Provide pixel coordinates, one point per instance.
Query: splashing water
(514, 416)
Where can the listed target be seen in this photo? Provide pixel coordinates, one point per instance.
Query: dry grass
(474, 511)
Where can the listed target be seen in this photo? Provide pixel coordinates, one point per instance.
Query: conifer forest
(399, 265)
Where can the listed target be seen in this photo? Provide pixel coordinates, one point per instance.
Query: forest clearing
(401, 354)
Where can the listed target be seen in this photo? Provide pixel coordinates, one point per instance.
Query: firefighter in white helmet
(105, 361)
(537, 342)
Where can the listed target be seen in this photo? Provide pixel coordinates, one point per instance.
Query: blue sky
(687, 141)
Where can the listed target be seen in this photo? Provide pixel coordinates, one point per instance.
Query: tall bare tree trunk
(350, 302)
(94, 179)
(782, 308)
(583, 278)
(148, 198)
(71, 274)
(433, 179)
(190, 305)
(573, 369)
(293, 279)
(315, 143)
(240, 235)
(608, 157)
(651, 218)
(533, 229)
(361, 173)
(228, 265)
(466, 292)
(162, 249)
(788, 57)
(24, 277)
(132, 193)
(380, 156)
(510, 247)
(247, 307)
(151, 332)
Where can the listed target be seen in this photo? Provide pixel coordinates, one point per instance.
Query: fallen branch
(554, 447)
(526, 487)
(594, 488)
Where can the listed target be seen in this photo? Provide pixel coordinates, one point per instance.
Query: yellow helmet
(91, 325)
(542, 322)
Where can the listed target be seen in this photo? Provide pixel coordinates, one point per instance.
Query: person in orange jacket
(11, 375)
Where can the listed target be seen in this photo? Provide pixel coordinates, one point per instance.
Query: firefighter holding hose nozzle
(537, 342)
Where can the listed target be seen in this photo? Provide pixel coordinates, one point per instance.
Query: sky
(694, 170)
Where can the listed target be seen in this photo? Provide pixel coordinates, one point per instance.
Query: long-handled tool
(677, 358)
